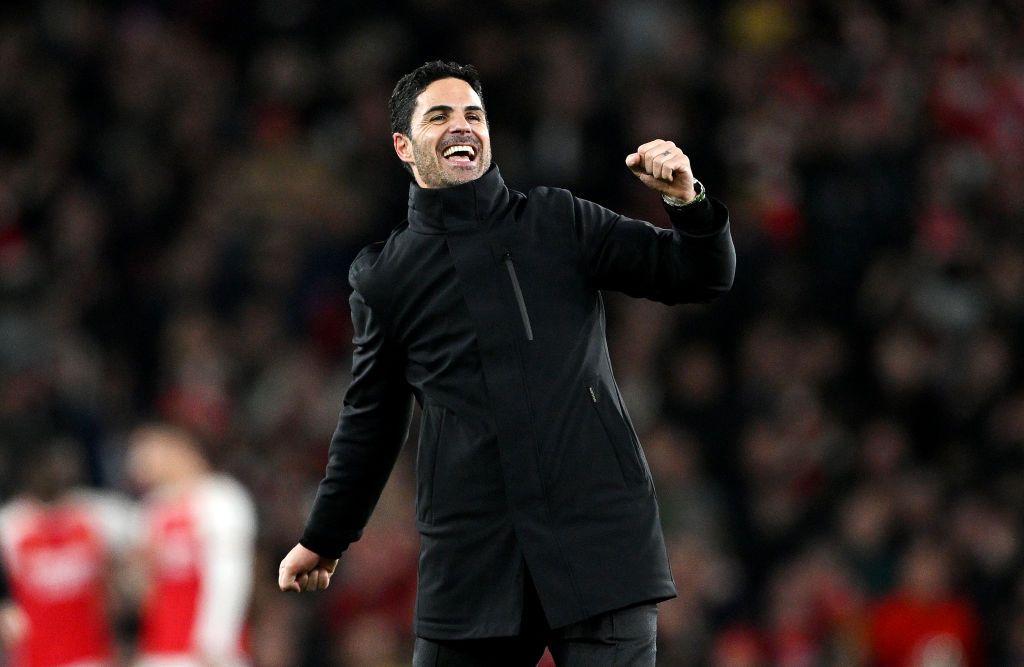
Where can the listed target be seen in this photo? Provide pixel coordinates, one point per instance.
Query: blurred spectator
(197, 552)
(738, 646)
(925, 622)
(60, 546)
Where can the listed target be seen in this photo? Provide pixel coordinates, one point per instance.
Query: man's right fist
(663, 167)
(304, 570)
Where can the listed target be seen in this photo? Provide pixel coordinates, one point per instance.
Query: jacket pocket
(620, 436)
(524, 314)
(431, 428)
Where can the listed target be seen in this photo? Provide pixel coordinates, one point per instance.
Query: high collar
(467, 205)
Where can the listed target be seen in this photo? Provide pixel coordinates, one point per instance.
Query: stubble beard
(435, 174)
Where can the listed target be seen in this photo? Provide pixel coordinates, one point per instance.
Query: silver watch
(675, 202)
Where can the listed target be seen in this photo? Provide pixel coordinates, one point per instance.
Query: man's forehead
(451, 92)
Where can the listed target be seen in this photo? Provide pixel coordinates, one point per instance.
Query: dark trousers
(625, 637)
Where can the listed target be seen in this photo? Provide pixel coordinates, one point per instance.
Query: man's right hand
(304, 570)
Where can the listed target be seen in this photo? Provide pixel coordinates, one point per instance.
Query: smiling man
(444, 139)
(536, 511)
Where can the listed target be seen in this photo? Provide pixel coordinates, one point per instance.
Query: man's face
(448, 140)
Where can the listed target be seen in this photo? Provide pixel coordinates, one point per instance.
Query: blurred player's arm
(373, 425)
(120, 523)
(13, 623)
(228, 532)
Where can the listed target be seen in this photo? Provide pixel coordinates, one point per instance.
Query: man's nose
(460, 125)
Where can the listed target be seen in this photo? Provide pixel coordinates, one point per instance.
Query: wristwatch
(675, 202)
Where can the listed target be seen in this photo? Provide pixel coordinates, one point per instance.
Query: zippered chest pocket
(517, 290)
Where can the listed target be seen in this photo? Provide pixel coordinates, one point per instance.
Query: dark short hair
(409, 87)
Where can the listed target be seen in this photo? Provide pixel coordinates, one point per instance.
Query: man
(537, 517)
(59, 544)
(199, 554)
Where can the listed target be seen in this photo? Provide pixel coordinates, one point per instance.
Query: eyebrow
(447, 109)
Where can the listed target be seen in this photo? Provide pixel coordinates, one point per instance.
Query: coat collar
(468, 205)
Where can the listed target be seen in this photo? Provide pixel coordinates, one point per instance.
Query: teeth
(460, 148)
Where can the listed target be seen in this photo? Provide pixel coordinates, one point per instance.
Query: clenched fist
(664, 167)
(304, 570)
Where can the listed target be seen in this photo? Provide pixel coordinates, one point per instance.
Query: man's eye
(473, 116)
(437, 118)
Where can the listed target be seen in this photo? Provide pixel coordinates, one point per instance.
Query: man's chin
(460, 175)
(446, 175)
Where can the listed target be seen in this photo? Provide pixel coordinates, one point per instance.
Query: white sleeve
(6, 540)
(227, 528)
(117, 518)
(15, 517)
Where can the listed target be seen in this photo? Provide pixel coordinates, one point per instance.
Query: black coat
(486, 306)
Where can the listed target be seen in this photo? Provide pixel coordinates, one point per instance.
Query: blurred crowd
(838, 445)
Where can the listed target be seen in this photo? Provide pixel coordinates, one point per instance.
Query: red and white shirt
(57, 557)
(200, 550)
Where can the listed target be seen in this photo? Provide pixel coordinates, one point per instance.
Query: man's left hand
(662, 166)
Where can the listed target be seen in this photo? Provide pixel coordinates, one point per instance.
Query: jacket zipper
(519, 295)
(633, 467)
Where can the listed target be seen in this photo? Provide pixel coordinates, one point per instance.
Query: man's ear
(403, 147)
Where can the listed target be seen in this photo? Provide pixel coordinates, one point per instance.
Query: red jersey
(200, 546)
(57, 555)
(908, 633)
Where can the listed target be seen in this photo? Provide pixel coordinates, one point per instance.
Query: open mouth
(460, 154)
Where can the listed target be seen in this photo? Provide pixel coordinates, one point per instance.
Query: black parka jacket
(485, 305)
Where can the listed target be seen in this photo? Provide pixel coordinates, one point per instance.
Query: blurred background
(838, 445)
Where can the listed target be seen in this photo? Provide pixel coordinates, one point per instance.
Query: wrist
(699, 195)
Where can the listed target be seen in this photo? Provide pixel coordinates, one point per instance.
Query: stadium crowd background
(183, 186)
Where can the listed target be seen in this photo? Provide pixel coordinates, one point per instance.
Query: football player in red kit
(198, 551)
(59, 543)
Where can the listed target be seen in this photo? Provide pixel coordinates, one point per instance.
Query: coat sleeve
(694, 262)
(374, 423)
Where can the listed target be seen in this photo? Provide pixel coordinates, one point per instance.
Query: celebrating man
(536, 511)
